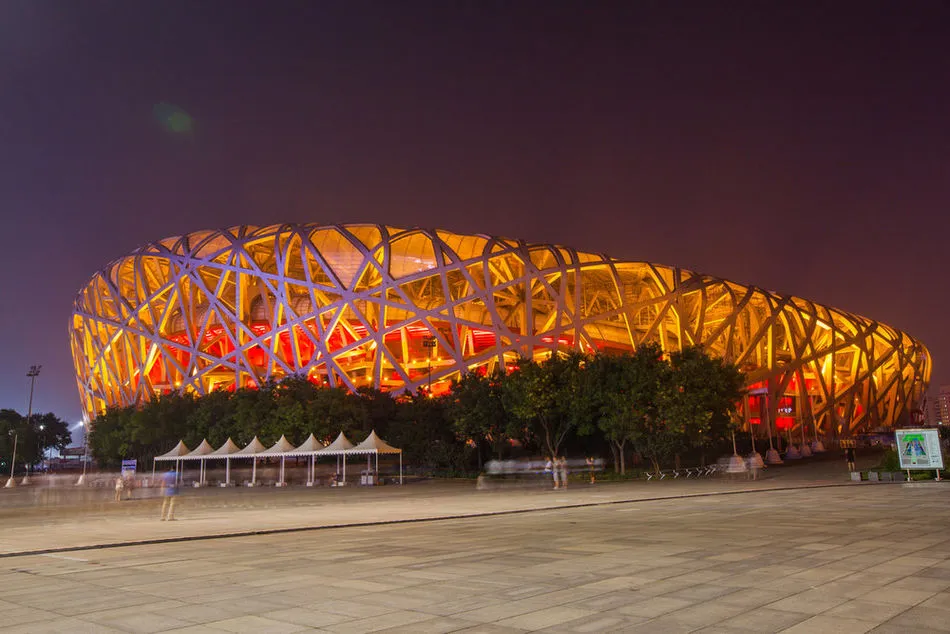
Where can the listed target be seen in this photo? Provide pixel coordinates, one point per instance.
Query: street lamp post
(33, 372)
(11, 482)
(43, 448)
(85, 437)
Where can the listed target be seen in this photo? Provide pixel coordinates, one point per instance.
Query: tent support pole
(344, 468)
(376, 473)
(253, 471)
(227, 472)
(400, 467)
(153, 471)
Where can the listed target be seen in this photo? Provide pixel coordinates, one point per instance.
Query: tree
(696, 402)
(31, 441)
(622, 392)
(476, 409)
(542, 398)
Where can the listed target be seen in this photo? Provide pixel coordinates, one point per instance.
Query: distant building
(940, 412)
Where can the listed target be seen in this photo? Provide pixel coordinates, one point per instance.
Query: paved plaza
(852, 558)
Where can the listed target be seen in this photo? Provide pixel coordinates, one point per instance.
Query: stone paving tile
(701, 592)
(547, 617)
(764, 620)
(940, 601)
(753, 597)
(900, 596)
(663, 625)
(141, 621)
(398, 618)
(255, 624)
(863, 610)
(307, 617)
(921, 617)
(603, 622)
(830, 625)
(808, 602)
(488, 628)
(64, 625)
(654, 607)
(438, 625)
(895, 629)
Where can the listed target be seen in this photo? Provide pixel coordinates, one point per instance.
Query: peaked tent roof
(226, 449)
(200, 451)
(253, 448)
(341, 444)
(374, 444)
(282, 446)
(310, 445)
(180, 450)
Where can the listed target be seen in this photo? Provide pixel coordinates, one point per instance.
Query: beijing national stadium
(359, 305)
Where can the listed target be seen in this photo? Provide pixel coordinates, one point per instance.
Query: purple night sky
(802, 146)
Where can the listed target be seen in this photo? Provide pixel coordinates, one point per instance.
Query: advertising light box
(919, 449)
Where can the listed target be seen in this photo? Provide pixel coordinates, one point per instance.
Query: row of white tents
(283, 449)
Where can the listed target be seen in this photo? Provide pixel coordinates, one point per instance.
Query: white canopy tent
(225, 451)
(199, 453)
(280, 449)
(251, 451)
(309, 448)
(341, 447)
(175, 454)
(338, 448)
(373, 445)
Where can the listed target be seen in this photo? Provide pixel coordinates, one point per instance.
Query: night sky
(801, 147)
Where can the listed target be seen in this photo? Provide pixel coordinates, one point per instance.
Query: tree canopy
(644, 401)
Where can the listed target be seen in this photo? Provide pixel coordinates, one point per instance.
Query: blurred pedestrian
(119, 486)
(849, 456)
(562, 467)
(590, 468)
(169, 493)
(551, 467)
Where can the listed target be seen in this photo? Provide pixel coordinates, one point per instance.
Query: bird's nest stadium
(370, 305)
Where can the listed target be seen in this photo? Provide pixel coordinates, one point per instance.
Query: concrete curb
(439, 518)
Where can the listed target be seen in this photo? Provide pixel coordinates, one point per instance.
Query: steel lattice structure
(371, 305)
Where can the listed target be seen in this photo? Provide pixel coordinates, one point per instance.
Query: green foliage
(890, 461)
(639, 400)
(696, 402)
(544, 399)
(476, 409)
(622, 392)
(31, 440)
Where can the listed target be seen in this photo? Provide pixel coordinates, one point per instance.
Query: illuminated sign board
(919, 449)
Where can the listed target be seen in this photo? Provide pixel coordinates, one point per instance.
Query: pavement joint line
(416, 520)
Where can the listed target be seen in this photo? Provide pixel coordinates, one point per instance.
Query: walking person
(562, 466)
(552, 467)
(590, 468)
(849, 455)
(119, 486)
(169, 493)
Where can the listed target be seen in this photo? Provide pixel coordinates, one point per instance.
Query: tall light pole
(11, 483)
(33, 372)
(85, 437)
(43, 448)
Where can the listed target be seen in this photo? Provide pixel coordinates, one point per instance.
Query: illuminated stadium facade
(370, 305)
